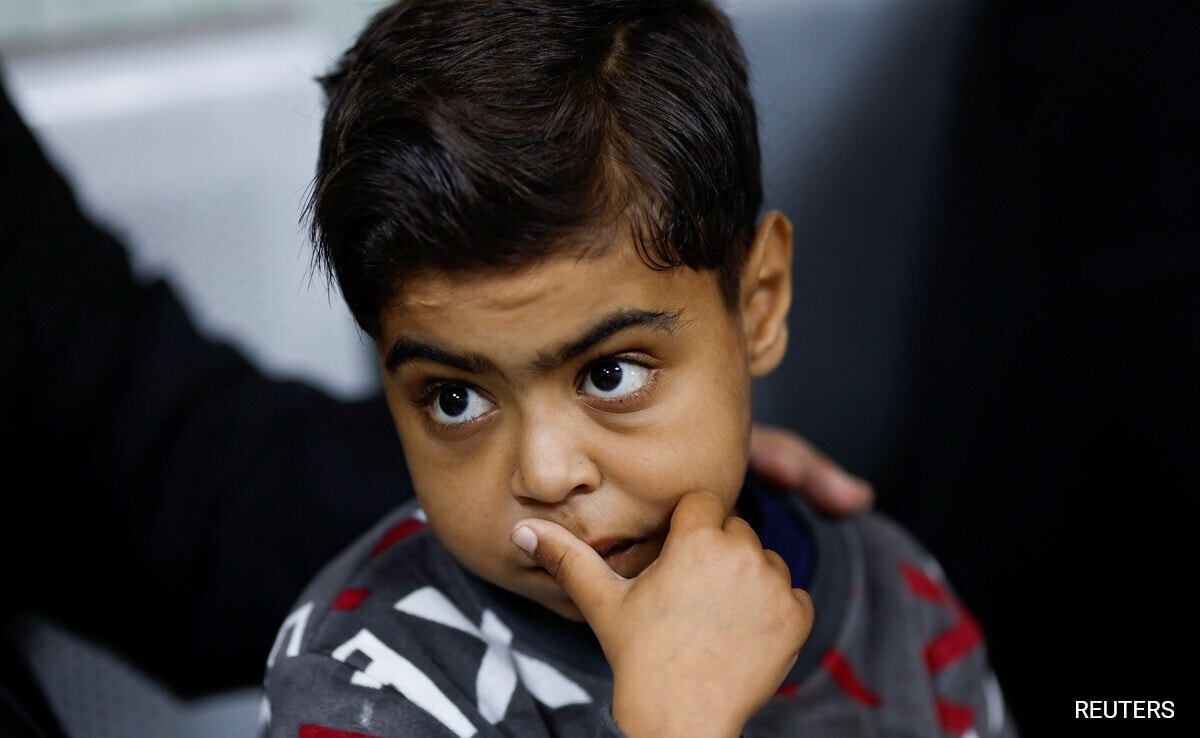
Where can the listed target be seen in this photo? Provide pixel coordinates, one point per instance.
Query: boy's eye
(614, 378)
(458, 403)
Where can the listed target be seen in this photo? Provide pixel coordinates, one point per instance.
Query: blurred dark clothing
(163, 495)
(1052, 447)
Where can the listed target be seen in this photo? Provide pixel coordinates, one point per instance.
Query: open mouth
(618, 553)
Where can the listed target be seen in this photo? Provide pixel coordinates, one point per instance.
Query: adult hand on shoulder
(703, 637)
(789, 460)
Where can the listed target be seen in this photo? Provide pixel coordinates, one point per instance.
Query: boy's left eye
(614, 378)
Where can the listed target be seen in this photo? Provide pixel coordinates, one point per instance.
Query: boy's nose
(551, 465)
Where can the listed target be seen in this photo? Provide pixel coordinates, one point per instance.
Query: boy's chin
(538, 587)
(557, 602)
(567, 610)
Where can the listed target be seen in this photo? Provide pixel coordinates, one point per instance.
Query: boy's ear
(766, 293)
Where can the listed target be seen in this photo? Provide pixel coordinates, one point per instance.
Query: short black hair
(462, 135)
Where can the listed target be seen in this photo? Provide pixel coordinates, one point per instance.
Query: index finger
(578, 569)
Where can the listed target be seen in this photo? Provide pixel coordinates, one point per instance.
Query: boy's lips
(617, 553)
(627, 556)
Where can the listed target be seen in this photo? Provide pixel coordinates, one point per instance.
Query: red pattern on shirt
(348, 599)
(843, 673)
(954, 718)
(400, 531)
(308, 730)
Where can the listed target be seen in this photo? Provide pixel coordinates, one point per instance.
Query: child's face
(591, 392)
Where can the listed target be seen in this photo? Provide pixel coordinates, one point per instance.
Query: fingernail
(525, 538)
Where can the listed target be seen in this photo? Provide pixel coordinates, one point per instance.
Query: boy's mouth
(629, 556)
(616, 552)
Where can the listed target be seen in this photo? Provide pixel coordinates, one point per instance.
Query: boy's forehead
(566, 272)
(512, 285)
(495, 289)
(546, 305)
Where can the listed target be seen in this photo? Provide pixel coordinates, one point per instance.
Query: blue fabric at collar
(779, 529)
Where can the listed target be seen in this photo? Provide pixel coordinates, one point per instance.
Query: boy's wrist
(671, 719)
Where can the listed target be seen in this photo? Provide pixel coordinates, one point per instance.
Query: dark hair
(464, 135)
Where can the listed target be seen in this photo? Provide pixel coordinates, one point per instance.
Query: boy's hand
(788, 460)
(702, 638)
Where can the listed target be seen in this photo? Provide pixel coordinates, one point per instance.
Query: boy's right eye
(453, 404)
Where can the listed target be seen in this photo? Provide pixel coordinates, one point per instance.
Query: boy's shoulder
(869, 552)
(403, 529)
(394, 635)
(868, 543)
(891, 554)
(858, 569)
(377, 575)
(890, 629)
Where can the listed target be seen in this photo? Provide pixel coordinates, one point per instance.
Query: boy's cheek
(713, 459)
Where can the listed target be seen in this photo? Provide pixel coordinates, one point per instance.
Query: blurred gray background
(190, 128)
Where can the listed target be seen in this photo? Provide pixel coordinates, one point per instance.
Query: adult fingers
(576, 566)
(789, 460)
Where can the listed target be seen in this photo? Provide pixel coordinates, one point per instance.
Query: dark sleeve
(174, 500)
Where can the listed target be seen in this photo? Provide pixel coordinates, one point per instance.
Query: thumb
(576, 566)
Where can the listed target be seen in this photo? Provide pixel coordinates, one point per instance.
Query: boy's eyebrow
(406, 348)
(618, 321)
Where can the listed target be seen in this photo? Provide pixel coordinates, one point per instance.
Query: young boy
(546, 214)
